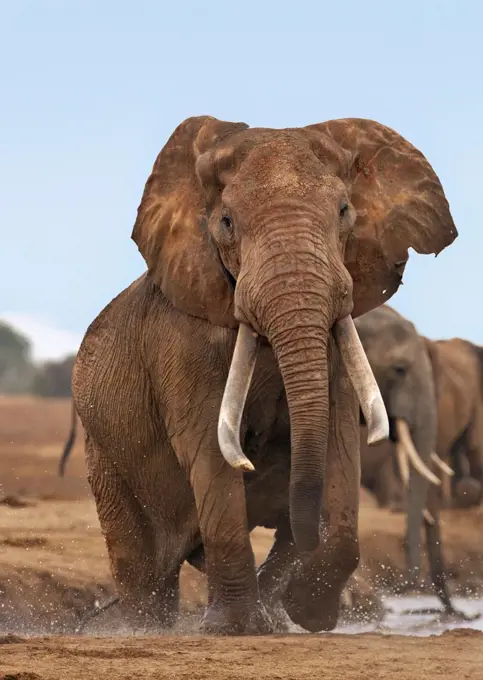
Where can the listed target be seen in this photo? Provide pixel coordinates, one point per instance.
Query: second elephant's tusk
(442, 465)
(403, 463)
(234, 398)
(404, 437)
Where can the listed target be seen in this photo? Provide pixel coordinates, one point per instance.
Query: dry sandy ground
(53, 568)
(453, 656)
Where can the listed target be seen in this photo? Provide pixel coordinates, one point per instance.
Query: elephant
(220, 391)
(457, 369)
(401, 361)
(458, 373)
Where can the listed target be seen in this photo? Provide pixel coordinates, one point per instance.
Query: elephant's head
(286, 233)
(401, 360)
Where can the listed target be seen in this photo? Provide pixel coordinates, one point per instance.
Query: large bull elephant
(400, 359)
(219, 392)
(458, 373)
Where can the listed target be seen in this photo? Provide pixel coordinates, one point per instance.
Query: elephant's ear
(169, 229)
(400, 203)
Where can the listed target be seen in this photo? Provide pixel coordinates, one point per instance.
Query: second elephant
(400, 360)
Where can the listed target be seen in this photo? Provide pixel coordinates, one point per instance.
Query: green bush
(16, 369)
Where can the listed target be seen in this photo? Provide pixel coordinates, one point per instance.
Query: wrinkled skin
(458, 371)
(400, 360)
(285, 232)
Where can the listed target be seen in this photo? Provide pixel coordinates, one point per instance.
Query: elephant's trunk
(417, 443)
(299, 338)
(301, 350)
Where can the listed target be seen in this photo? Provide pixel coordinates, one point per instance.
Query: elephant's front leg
(312, 596)
(234, 605)
(274, 572)
(390, 487)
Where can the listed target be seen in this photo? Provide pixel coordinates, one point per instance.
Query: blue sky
(91, 90)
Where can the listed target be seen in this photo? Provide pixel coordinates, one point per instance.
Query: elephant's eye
(399, 370)
(227, 223)
(344, 209)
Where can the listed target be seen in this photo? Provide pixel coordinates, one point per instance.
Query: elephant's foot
(281, 623)
(272, 601)
(316, 614)
(447, 615)
(468, 493)
(451, 614)
(311, 603)
(236, 620)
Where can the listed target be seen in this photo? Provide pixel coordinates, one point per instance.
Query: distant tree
(16, 369)
(53, 378)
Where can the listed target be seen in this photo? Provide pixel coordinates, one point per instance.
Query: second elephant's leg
(475, 457)
(437, 567)
(312, 596)
(434, 541)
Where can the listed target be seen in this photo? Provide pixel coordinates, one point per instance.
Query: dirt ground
(53, 568)
(453, 656)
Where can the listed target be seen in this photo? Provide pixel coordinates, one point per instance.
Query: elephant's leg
(313, 594)
(475, 456)
(466, 459)
(381, 486)
(389, 489)
(234, 602)
(459, 462)
(280, 558)
(274, 572)
(148, 590)
(436, 560)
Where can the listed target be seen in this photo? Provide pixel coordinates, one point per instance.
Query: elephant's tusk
(403, 463)
(404, 436)
(428, 517)
(362, 378)
(234, 398)
(442, 465)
